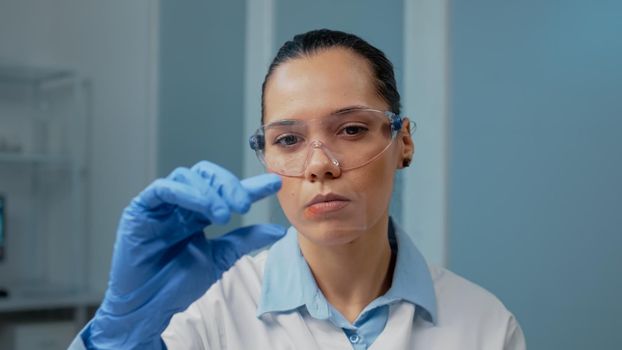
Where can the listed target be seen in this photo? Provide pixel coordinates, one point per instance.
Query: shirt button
(354, 338)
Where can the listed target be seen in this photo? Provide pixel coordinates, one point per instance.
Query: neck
(352, 275)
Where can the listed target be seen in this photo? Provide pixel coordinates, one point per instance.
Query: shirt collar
(288, 283)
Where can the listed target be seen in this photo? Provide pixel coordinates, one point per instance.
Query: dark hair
(316, 40)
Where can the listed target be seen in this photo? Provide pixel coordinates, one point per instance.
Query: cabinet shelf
(17, 73)
(34, 158)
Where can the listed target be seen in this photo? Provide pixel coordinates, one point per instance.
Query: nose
(321, 164)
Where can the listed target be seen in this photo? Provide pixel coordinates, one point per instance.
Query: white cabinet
(43, 181)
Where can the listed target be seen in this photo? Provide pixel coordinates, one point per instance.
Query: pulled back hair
(309, 43)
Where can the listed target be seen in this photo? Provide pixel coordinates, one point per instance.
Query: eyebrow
(349, 108)
(284, 122)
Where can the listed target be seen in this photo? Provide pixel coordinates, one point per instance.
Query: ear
(407, 149)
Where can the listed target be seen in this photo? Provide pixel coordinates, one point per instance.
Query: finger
(166, 191)
(244, 240)
(261, 186)
(193, 179)
(226, 185)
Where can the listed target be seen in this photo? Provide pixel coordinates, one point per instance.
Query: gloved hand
(162, 261)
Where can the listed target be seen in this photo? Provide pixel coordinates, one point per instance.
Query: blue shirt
(289, 286)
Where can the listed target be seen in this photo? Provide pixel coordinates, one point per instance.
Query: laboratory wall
(535, 148)
(201, 77)
(201, 86)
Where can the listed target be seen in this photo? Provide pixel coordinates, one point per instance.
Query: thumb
(249, 238)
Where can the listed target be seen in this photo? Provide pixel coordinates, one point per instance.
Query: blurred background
(515, 183)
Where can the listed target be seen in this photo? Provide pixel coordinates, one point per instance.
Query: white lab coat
(468, 318)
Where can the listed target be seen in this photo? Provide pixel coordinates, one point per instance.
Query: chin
(330, 232)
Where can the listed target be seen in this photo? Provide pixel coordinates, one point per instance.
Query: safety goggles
(350, 139)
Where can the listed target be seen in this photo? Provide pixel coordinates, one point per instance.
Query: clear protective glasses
(350, 139)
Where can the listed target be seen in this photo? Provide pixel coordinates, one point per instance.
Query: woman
(343, 276)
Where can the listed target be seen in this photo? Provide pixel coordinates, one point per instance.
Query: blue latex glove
(162, 261)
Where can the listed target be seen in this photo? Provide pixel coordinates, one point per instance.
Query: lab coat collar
(289, 284)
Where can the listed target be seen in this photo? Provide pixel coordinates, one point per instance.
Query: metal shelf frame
(38, 161)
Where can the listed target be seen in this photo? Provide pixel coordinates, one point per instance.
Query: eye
(353, 130)
(287, 140)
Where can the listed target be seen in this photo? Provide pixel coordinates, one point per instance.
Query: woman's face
(313, 87)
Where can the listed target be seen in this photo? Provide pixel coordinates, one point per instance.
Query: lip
(328, 197)
(324, 205)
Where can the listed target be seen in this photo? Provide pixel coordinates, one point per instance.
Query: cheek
(376, 182)
(288, 196)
